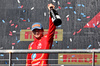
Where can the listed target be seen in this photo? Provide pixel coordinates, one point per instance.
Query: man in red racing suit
(43, 42)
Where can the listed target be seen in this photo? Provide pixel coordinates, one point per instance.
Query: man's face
(37, 33)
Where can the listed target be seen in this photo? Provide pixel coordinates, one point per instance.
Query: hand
(50, 5)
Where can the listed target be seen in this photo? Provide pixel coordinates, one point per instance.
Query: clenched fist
(50, 5)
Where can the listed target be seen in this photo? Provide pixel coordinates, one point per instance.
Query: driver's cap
(37, 26)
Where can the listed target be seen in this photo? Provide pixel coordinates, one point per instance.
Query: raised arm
(51, 30)
(52, 27)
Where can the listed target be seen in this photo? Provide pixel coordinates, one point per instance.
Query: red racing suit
(40, 59)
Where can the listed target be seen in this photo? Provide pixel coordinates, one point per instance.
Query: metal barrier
(93, 51)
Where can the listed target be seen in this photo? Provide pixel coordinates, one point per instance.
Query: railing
(93, 51)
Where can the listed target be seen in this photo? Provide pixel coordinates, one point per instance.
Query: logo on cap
(36, 25)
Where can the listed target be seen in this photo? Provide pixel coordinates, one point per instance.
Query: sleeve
(51, 30)
(28, 60)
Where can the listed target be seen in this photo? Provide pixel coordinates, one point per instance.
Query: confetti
(22, 6)
(88, 17)
(74, 33)
(1, 54)
(59, 7)
(24, 11)
(70, 39)
(16, 37)
(68, 2)
(78, 4)
(17, 58)
(28, 27)
(53, 1)
(12, 24)
(10, 33)
(74, 12)
(18, 1)
(66, 7)
(59, 26)
(87, 24)
(32, 8)
(16, 26)
(58, 3)
(13, 43)
(79, 19)
(18, 41)
(67, 18)
(28, 20)
(71, 7)
(98, 42)
(3, 21)
(56, 42)
(93, 24)
(24, 20)
(83, 5)
(14, 31)
(89, 46)
(1, 47)
(67, 46)
(10, 21)
(19, 7)
(84, 15)
(5, 62)
(12, 47)
(52, 45)
(79, 31)
(44, 13)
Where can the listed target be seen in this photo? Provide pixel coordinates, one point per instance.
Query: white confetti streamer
(32, 8)
(67, 16)
(58, 3)
(44, 13)
(12, 47)
(70, 39)
(14, 31)
(53, 1)
(87, 24)
(18, 1)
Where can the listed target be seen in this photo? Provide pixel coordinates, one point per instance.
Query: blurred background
(80, 27)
